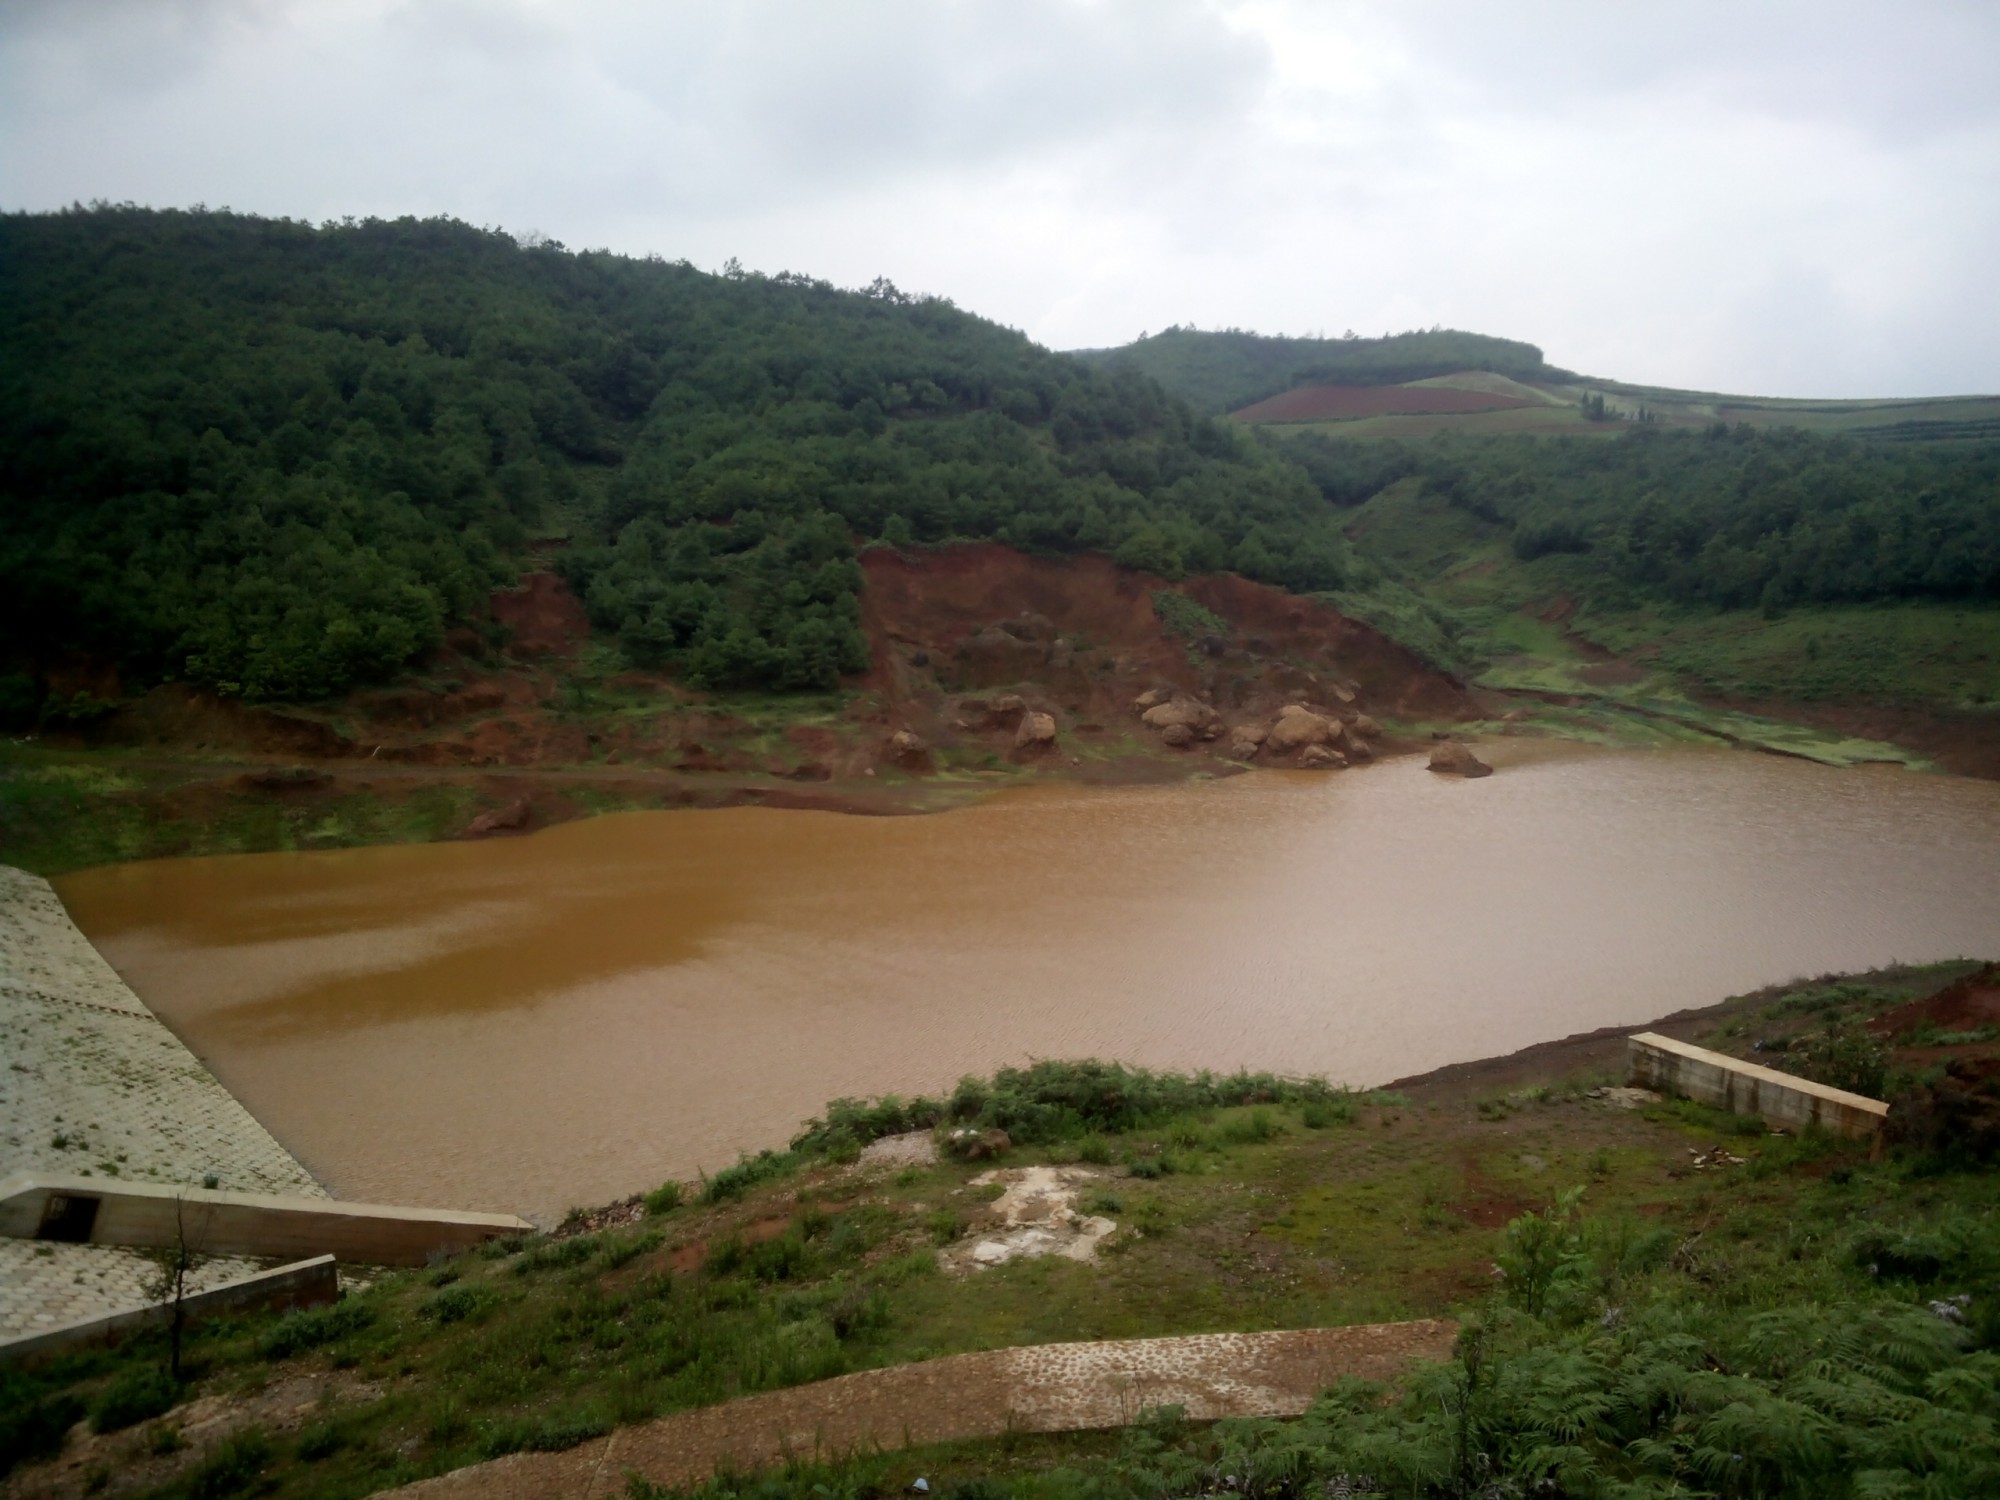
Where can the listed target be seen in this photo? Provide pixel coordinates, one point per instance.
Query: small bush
(308, 1328)
(943, 1225)
(1845, 1057)
(619, 1252)
(663, 1199)
(321, 1441)
(456, 1304)
(750, 1172)
(1321, 1114)
(1094, 1149)
(135, 1396)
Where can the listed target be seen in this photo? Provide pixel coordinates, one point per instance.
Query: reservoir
(533, 1023)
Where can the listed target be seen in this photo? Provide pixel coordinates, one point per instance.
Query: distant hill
(1223, 371)
(1420, 384)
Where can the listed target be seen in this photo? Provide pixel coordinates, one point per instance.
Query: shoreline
(94, 807)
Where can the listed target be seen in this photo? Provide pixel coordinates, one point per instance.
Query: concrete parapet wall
(304, 1283)
(37, 1205)
(1674, 1067)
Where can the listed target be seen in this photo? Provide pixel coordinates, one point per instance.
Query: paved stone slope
(48, 1286)
(1039, 1388)
(94, 1083)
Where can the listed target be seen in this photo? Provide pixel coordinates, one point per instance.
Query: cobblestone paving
(1041, 1388)
(45, 1286)
(93, 1084)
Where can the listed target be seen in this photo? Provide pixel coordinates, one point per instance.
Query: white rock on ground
(1036, 1215)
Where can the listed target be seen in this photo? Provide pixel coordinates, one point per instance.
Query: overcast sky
(1781, 198)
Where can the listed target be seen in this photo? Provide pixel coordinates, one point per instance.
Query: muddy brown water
(532, 1023)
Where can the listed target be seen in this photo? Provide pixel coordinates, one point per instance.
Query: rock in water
(1320, 758)
(1243, 750)
(512, 818)
(1037, 733)
(1453, 759)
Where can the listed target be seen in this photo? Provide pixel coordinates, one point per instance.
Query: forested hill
(1227, 370)
(279, 459)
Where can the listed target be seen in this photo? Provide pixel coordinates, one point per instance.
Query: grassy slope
(1392, 1208)
(1536, 628)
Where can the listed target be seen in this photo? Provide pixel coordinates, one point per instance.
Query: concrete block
(100, 1211)
(1779, 1099)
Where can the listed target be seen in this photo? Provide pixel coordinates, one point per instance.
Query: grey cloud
(1802, 197)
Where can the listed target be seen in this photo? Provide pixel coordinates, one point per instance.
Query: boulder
(509, 819)
(1453, 759)
(968, 1144)
(1320, 758)
(1149, 698)
(1196, 715)
(1298, 727)
(1243, 750)
(907, 749)
(1179, 736)
(1364, 725)
(1358, 748)
(1248, 734)
(1037, 733)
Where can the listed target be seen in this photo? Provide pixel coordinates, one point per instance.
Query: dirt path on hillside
(1041, 1388)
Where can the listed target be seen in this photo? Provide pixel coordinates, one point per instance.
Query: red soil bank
(1334, 403)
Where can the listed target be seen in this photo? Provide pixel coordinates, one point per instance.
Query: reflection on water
(532, 1023)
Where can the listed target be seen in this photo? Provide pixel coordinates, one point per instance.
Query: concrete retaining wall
(93, 1210)
(1672, 1067)
(303, 1284)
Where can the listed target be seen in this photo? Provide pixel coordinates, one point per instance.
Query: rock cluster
(1312, 737)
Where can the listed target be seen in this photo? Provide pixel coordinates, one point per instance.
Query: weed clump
(135, 1396)
(749, 1172)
